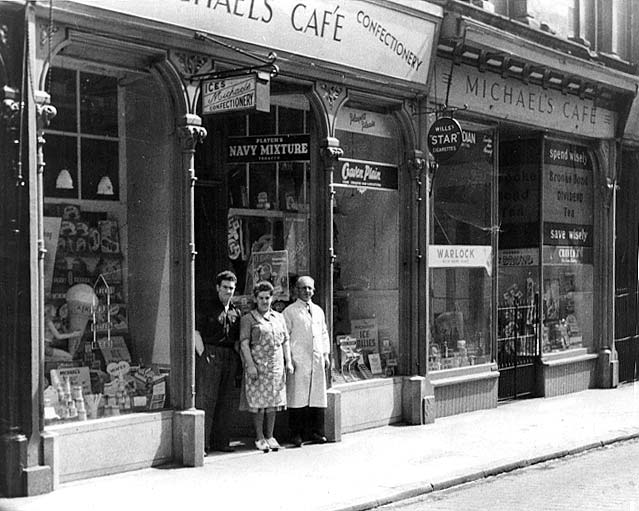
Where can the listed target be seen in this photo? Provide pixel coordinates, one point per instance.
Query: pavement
(368, 468)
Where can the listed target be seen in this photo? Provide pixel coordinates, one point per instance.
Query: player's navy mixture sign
(365, 174)
(444, 138)
(268, 148)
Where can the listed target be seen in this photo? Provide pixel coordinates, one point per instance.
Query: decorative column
(331, 153)
(191, 133)
(13, 442)
(608, 367)
(189, 447)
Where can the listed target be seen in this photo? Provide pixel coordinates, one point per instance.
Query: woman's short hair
(262, 286)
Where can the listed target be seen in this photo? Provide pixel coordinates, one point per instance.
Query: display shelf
(267, 213)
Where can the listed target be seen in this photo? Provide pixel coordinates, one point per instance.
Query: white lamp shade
(64, 181)
(105, 186)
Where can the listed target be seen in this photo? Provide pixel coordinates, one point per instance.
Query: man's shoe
(316, 438)
(297, 441)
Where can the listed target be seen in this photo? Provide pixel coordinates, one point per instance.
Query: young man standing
(217, 363)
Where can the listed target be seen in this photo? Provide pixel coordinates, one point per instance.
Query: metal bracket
(266, 64)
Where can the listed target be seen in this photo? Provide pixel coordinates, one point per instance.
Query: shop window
(366, 240)
(546, 256)
(94, 365)
(86, 130)
(567, 253)
(253, 192)
(461, 255)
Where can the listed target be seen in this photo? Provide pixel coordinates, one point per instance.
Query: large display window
(366, 240)
(104, 357)
(546, 253)
(460, 257)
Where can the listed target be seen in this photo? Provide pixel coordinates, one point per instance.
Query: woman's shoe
(273, 444)
(262, 445)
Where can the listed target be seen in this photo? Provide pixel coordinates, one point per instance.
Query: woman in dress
(267, 358)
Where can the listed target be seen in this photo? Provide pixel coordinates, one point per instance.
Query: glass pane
(567, 307)
(291, 120)
(292, 195)
(366, 273)
(460, 255)
(460, 321)
(63, 97)
(262, 123)
(462, 193)
(100, 177)
(98, 105)
(262, 186)
(61, 171)
(367, 147)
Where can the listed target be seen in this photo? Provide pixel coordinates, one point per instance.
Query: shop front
(156, 166)
(521, 251)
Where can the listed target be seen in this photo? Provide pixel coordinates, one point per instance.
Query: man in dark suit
(217, 363)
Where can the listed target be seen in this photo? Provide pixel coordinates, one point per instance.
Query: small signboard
(366, 174)
(236, 93)
(444, 138)
(268, 148)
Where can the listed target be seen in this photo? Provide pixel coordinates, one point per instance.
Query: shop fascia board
(95, 20)
(498, 41)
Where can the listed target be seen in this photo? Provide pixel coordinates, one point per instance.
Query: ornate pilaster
(191, 133)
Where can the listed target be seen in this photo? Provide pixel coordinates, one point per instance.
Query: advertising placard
(273, 267)
(365, 331)
(444, 138)
(366, 174)
(568, 194)
(235, 93)
(460, 256)
(268, 148)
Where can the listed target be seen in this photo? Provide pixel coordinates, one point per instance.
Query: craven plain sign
(394, 39)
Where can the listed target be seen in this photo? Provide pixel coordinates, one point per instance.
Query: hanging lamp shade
(105, 186)
(64, 181)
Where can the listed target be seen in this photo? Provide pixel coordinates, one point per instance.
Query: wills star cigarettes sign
(235, 93)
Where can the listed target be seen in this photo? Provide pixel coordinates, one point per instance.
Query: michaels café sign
(394, 39)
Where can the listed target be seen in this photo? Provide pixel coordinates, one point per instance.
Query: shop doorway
(518, 349)
(627, 268)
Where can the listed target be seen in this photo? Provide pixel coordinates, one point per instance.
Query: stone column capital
(45, 111)
(191, 132)
(331, 152)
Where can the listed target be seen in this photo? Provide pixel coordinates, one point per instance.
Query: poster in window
(271, 266)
